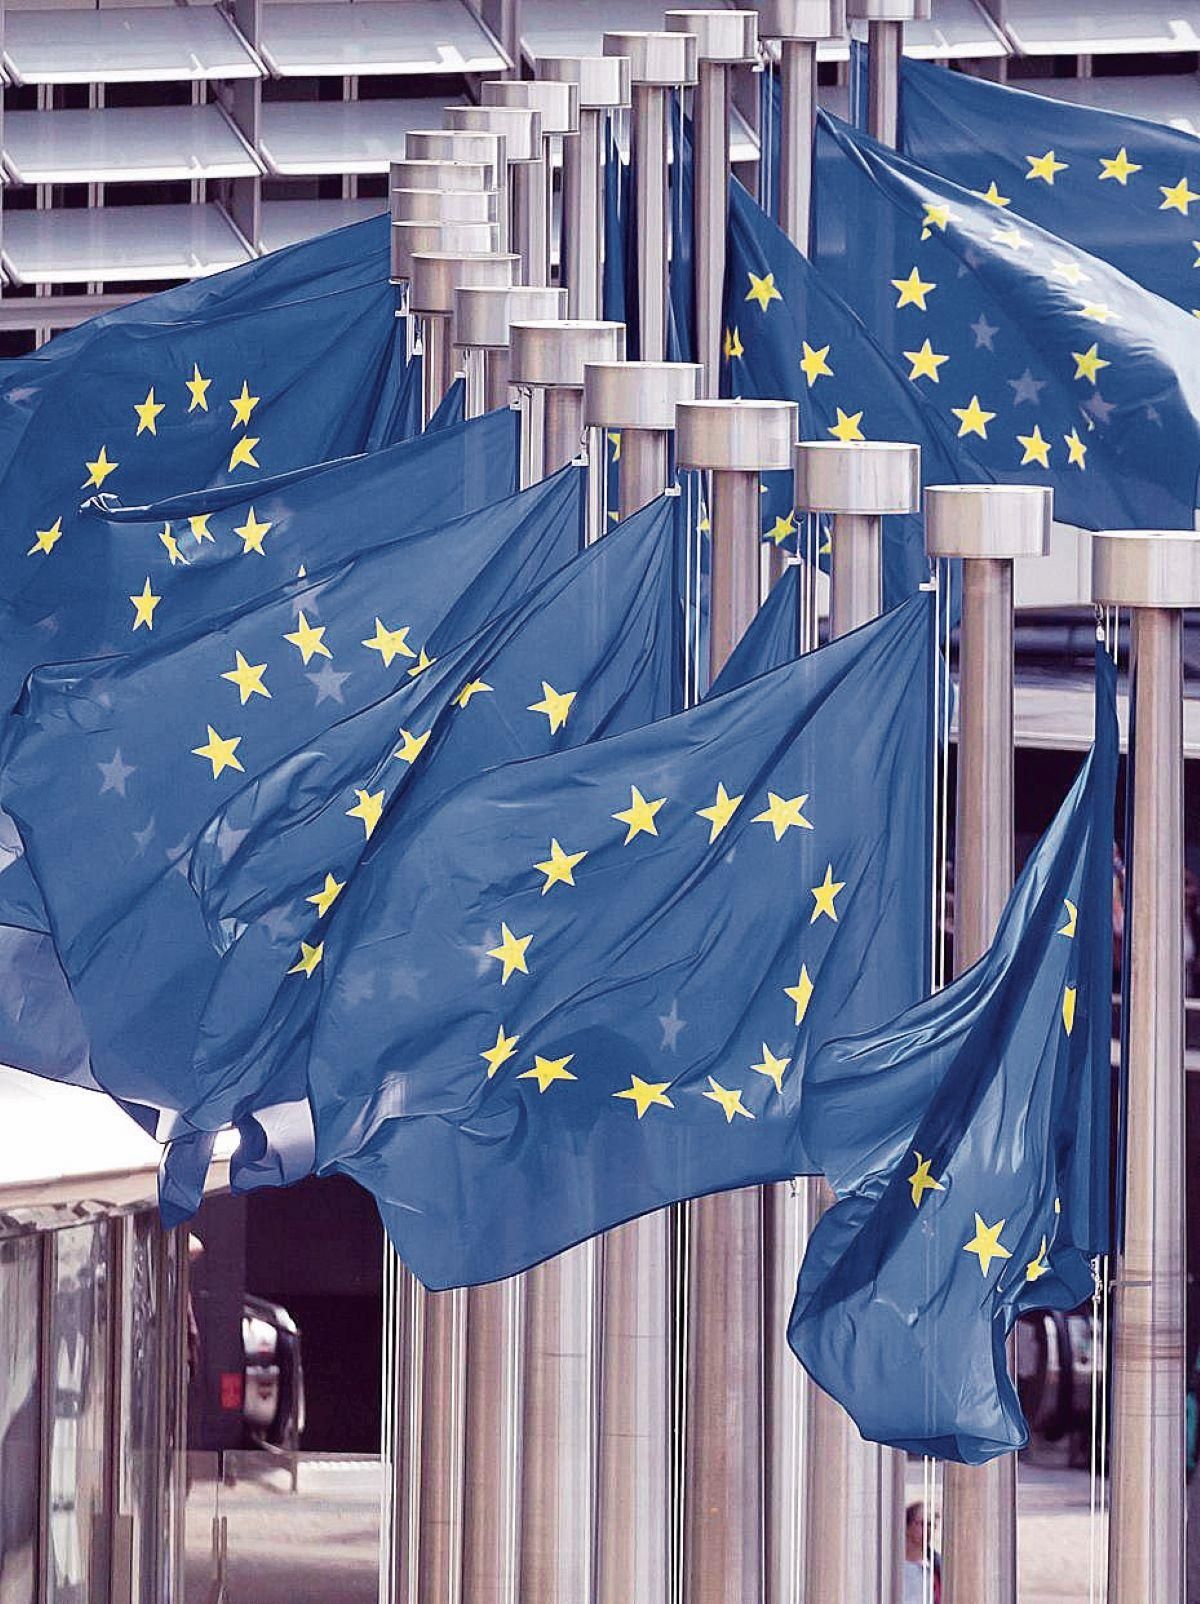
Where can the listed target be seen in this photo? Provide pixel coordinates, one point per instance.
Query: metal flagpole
(525, 153)
(724, 40)
(477, 147)
(603, 83)
(435, 276)
(446, 183)
(410, 237)
(885, 21)
(481, 324)
(658, 63)
(1156, 574)
(736, 442)
(638, 399)
(551, 356)
(858, 1542)
(796, 26)
(987, 526)
(558, 104)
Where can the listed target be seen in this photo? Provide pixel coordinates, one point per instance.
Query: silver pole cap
(988, 520)
(445, 205)
(736, 436)
(1146, 568)
(437, 274)
(637, 395)
(475, 146)
(889, 10)
(656, 60)
(552, 354)
(558, 103)
(603, 80)
(520, 127)
(802, 19)
(466, 238)
(457, 176)
(725, 37)
(484, 316)
(870, 477)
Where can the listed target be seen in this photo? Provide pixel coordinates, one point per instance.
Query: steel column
(481, 322)
(643, 468)
(798, 83)
(885, 21)
(557, 104)
(495, 1371)
(436, 371)
(520, 127)
(564, 427)
(638, 399)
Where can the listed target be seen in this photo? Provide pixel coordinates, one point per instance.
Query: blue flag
(620, 280)
(1051, 366)
(1116, 186)
(681, 273)
(619, 956)
(969, 1144)
(772, 639)
(160, 739)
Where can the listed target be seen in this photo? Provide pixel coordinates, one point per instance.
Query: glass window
(20, 1417)
(142, 1459)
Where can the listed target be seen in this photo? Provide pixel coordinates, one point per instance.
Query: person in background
(918, 1558)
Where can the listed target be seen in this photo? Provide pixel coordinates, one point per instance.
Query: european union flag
(969, 1142)
(1052, 367)
(681, 272)
(772, 639)
(160, 738)
(620, 958)
(620, 281)
(1117, 186)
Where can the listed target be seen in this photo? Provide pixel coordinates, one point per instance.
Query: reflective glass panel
(20, 1417)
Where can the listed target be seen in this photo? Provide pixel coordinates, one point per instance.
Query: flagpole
(442, 179)
(857, 1546)
(1155, 574)
(552, 356)
(524, 150)
(638, 399)
(885, 21)
(797, 26)
(603, 83)
(482, 324)
(658, 63)
(724, 40)
(558, 105)
(435, 276)
(736, 442)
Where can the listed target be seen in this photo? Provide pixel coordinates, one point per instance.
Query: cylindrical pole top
(889, 10)
(468, 239)
(445, 205)
(802, 19)
(727, 38)
(638, 395)
(656, 60)
(437, 274)
(988, 520)
(603, 81)
(520, 127)
(441, 175)
(483, 316)
(557, 102)
(553, 353)
(1146, 568)
(870, 477)
(473, 145)
(736, 436)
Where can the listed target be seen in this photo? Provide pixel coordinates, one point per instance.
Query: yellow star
(198, 522)
(505, 1047)
(847, 426)
(143, 607)
(1036, 449)
(937, 215)
(547, 1070)
(1097, 312)
(413, 746)
(423, 662)
(1072, 923)
(913, 290)
(243, 451)
(147, 412)
(1119, 167)
(1044, 167)
(1069, 272)
(772, 1068)
(1068, 1008)
(368, 808)
(172, 545)
(732, 348)
(555, 705)
(921, 1181)
(782, 529)
(1011, 237)
(1088, 363)
(986, 1243)
(309, 958)
(783, 814)
(639, 815)
(972, 419)
(243, 405)
(559, 867)
(309, 639)
(825, 895)
(1178, 198)
(925, 363)
(510, 953)
(645, 1094)
(324, 899)
(614, 440)
(220, 752)
(252, 534)
(801, 994)
(813, 364)
(248, 678)
(389, 643)
(99, 470)
(992, 195)
(722, 810)
(474, 688)
(47, 539)
(198, 389)
(730, 1101)
(763, 290)
(1076, 450)
(1037, 1266)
